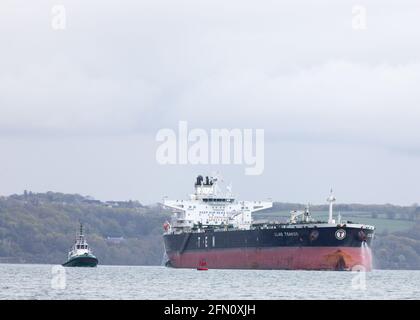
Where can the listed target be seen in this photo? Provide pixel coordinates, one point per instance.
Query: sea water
(26, 281)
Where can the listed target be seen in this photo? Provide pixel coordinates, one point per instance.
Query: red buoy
(202, 265)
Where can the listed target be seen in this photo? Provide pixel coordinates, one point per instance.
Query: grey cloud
(295, 68)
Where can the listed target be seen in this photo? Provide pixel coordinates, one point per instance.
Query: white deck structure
(207, 206)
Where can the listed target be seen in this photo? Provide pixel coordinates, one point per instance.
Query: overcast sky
(80, 107)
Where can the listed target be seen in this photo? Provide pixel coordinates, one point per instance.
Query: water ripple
(127, 282)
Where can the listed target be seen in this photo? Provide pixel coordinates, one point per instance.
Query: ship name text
(286, 234)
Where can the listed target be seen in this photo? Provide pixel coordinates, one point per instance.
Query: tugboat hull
(87, 261)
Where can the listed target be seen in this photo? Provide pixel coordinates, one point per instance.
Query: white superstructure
(80, 247)
(207, 206)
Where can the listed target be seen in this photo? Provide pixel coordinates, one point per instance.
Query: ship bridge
(209, 207)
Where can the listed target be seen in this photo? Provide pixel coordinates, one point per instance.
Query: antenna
(217, 176)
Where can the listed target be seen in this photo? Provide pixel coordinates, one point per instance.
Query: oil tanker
(213, 230)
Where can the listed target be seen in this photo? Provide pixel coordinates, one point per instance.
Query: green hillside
(40, 228)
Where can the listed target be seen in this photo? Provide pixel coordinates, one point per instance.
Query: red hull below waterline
(285, 258)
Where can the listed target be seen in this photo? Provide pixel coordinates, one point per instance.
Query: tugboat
(80, 254)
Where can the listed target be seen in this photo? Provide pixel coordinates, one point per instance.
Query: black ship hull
(318, 247)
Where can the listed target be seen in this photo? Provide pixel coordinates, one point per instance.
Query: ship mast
(331, 199)
(81, 236)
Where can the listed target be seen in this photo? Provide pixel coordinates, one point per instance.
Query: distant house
(113, 204)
